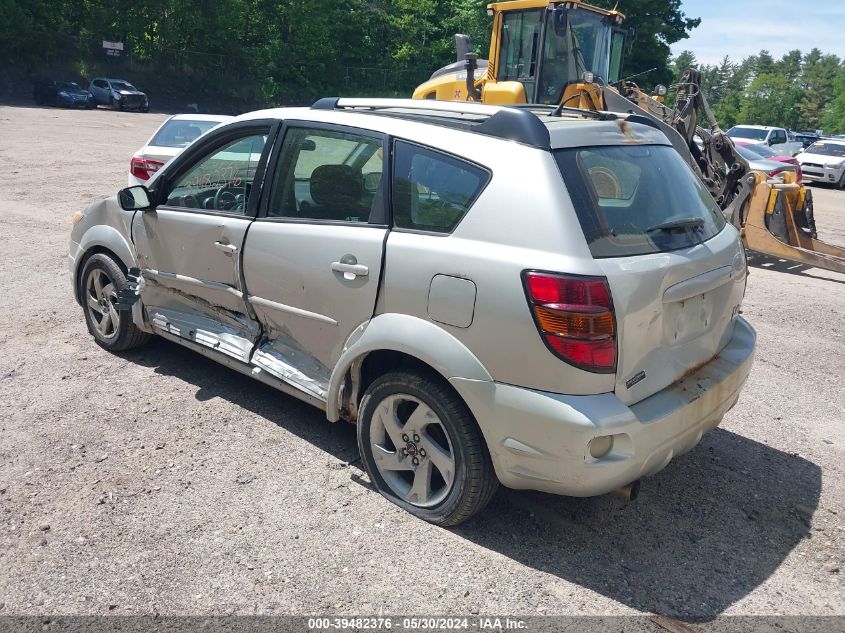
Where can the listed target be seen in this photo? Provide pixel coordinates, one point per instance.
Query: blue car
(68, 94)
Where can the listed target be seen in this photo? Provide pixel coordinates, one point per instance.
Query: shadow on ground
(759, 260)
(704, 533)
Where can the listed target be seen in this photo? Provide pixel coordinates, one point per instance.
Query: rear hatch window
(637, 200)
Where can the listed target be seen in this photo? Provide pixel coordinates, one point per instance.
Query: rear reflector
(143, 168)
(575, 318)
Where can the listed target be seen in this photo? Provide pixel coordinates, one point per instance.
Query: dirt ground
(161, 482)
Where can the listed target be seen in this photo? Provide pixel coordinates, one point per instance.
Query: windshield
(122, 85)
(180, 133)
(828, 149)
(69, 85)
(625, 205)
(748, 132)
(576, 42)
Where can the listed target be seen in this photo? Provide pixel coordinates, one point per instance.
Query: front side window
(328, 175)
(520, 48)
(222, 181)
(432, 191)
(636, 200)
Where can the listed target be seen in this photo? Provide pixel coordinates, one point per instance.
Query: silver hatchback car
(493, 294)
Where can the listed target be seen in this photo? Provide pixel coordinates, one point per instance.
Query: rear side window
(432, 191)
(636, 200)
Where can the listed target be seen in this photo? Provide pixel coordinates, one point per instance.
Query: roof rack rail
(514, 124)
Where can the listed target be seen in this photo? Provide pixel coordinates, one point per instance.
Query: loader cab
(549, 46)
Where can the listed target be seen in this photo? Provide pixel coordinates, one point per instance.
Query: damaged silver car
(546, 300)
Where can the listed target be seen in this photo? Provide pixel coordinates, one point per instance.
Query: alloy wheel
(100, 297)
(412, 450)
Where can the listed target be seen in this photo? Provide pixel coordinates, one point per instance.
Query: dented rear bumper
(541, 440)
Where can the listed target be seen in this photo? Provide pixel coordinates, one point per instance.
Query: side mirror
(134, 198)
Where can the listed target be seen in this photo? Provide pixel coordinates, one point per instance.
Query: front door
(312, 263)
(189, 246)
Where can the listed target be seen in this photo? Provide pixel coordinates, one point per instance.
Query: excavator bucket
(779, 222)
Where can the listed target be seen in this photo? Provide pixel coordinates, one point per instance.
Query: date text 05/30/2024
(417, 624)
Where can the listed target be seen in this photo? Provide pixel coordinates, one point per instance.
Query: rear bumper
(540, 440)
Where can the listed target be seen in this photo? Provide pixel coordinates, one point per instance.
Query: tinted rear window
(636, 200)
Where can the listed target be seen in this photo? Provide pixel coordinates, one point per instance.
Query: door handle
(229, 249)
(350, 268)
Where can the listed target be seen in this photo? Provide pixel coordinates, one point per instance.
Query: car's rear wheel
(423, 449)
(111, 328)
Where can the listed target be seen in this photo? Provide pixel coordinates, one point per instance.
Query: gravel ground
(160, 481)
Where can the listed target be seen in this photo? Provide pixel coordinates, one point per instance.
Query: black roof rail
(513, 124)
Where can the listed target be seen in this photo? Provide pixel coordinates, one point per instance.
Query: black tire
(474, 482)
(125, 335)
(841, 184)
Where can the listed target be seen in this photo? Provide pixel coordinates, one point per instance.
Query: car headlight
(118, 96)
(63, 94)
(833, 165)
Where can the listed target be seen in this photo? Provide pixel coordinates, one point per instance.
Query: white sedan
(824, 161)
(174, 135)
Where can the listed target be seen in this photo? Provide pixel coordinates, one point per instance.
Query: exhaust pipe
(470, 66)
(629, 492)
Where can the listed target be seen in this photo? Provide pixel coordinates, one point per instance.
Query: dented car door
(189, 245)
(312, 261)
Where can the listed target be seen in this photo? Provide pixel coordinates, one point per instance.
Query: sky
(740, 28)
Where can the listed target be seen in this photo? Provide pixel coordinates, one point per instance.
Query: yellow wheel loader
(565, 56)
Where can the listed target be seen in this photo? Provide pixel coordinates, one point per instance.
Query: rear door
(189, 246)
(676, 270)
(312, 262)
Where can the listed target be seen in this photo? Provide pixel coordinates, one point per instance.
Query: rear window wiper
(676, 224)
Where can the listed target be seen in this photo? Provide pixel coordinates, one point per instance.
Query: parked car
(174, 135)
(824, 161)
(118, 94)
(775, 137)
(377, 259)
(806, 139)
(67, 94)
(768, 166)
(766, 153)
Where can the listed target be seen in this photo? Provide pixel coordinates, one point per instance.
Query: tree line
(267, 52)
(253, 53)
(799, 91)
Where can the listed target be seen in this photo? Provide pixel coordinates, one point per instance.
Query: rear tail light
(143, 168)
(575, 318)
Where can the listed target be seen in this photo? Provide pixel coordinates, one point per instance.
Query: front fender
(103, 236)
(416, 337)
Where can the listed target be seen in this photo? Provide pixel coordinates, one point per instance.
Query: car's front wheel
(423, 449)
(111, 328)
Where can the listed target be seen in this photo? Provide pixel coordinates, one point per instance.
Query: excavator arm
(774, 218)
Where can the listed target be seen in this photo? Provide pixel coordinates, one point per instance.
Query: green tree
(658, 24)
(770, 100)
(817, 82)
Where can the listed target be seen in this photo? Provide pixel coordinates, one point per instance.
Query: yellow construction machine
(564, 56)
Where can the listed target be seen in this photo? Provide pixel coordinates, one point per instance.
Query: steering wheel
(224, 199)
